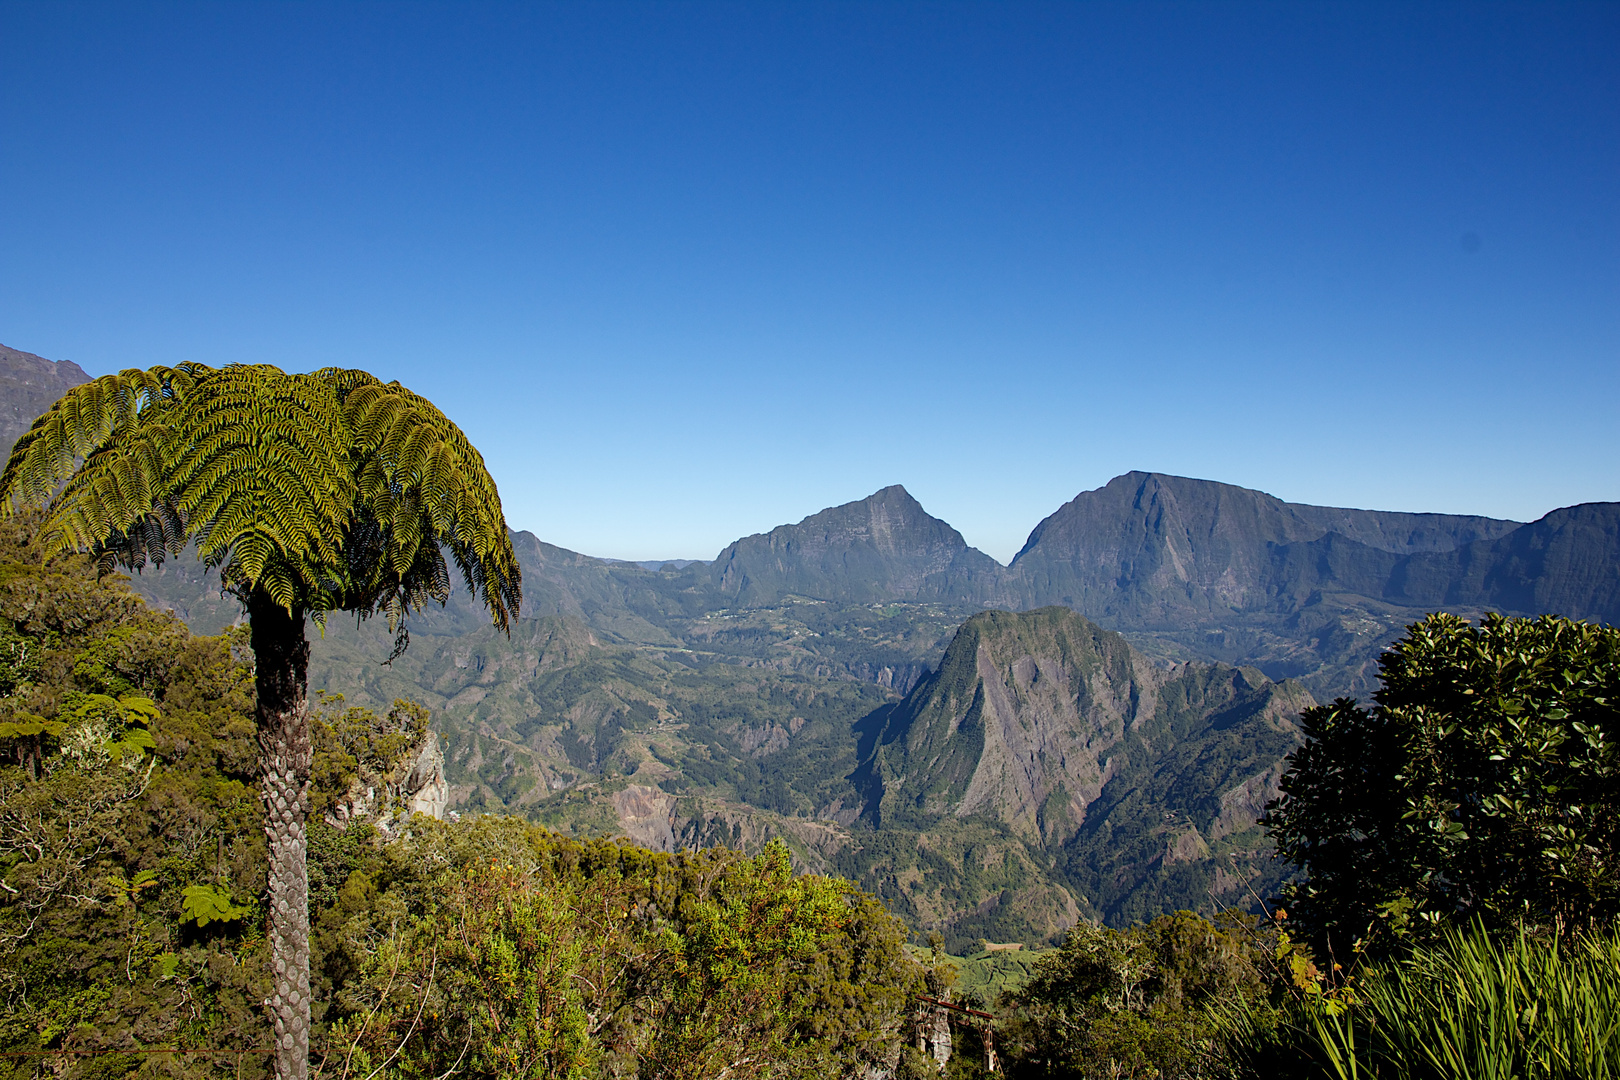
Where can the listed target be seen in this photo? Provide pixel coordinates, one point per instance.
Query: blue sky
(687, 271)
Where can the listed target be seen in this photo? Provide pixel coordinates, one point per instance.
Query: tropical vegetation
(133, 911)
(310, 493)
(1483, 785)
(1138, 1002)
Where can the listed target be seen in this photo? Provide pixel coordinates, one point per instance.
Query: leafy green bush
(1140, 1002)
(494, 947)
(1483, 784)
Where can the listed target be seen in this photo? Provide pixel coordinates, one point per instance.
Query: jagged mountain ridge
(1148, 551)
(1163, 570)
(1145, 553)
(1147, 548)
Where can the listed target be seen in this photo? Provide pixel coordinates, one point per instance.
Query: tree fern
(309, 493)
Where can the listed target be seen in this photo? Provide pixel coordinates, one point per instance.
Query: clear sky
(687, 271)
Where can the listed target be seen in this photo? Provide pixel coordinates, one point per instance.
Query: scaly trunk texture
(281, 661)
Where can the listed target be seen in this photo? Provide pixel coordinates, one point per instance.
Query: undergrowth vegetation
(493, 948)
(1185, 999)
(1469, 1006)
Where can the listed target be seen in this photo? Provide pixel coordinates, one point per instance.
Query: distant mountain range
(1150, 552)
(996, 750)
(1189, 568)
(1186, 569)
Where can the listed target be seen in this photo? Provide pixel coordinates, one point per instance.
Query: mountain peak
(890, 519)
(21, 365)
(892, 493)
(1073, 741)
(882, 547)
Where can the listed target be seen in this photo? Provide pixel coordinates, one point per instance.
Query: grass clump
(1469, 1006)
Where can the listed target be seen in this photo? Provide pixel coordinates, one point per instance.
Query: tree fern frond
(325, 490)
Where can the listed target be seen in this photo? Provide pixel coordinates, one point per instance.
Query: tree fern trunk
(281, 661)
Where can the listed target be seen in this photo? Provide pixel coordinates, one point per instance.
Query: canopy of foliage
(1484, 784)
(499, 949)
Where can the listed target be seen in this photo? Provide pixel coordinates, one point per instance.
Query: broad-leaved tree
(1483, 784)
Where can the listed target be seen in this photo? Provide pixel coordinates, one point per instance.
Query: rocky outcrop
(1015, 724)
(704, 822)
(897, 677)
(425, 790)
(646, 816)
(1243, 805)
(415, 784)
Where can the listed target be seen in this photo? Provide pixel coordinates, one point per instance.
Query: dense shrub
(131, 847)
(1140, 1002)
(500, 949)
(1461, 845)
(1483, 785)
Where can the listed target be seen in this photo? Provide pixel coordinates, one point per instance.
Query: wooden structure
(933, 1026)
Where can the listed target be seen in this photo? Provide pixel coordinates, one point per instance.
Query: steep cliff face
(1015, 724)
(647, 816)
(1564, 563)
(1149, 549)
(884, 547)
(1138, 778)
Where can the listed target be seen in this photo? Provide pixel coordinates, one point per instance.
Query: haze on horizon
(687, 272)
